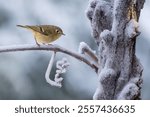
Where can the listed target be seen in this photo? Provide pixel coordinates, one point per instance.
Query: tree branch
(48, 71)
(50, 47)
(85, 49)
(115, 28)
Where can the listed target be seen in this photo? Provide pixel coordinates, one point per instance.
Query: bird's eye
(57, 31)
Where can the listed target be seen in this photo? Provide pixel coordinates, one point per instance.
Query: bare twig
(51, 47)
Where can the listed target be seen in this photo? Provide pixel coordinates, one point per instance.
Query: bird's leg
(36, 42)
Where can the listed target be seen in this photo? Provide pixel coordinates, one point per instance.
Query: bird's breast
(40, 38)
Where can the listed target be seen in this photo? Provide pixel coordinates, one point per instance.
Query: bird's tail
(23, 26)
(32, 28)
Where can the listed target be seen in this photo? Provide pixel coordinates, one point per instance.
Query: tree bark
(115, 28)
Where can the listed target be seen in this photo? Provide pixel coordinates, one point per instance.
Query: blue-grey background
(22, 73)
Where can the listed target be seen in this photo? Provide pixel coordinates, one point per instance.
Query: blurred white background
(22, 73)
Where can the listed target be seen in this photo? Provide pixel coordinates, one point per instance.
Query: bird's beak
(63, 34)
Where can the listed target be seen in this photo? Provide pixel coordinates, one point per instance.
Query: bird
(44, 34)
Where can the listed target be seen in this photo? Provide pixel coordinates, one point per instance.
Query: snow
(48, 71)
(92, 3)
(94, 13)
(105, 73)
(61, 68)
(129, 91)
(132, 28)
(82, 45)
(98, 91)
(115, 23)
(106, 34)
(89, 13)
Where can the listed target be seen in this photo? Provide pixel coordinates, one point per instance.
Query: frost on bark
(115, 28)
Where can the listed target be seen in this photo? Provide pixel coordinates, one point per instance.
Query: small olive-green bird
(44, 34)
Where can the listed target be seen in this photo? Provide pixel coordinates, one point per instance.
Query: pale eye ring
(57, 31)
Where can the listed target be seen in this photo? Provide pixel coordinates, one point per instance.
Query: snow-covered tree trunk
(115, 28)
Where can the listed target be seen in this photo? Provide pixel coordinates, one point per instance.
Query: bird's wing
(45, 30)
(41, 29)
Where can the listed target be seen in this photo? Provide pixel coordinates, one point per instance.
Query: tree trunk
(115, 28)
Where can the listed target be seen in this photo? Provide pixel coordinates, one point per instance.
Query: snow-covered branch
(48, 71)
(99, 12)
(85, 49)
(56, 48)
(115, 28)
(61, 68)
(132, 28)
